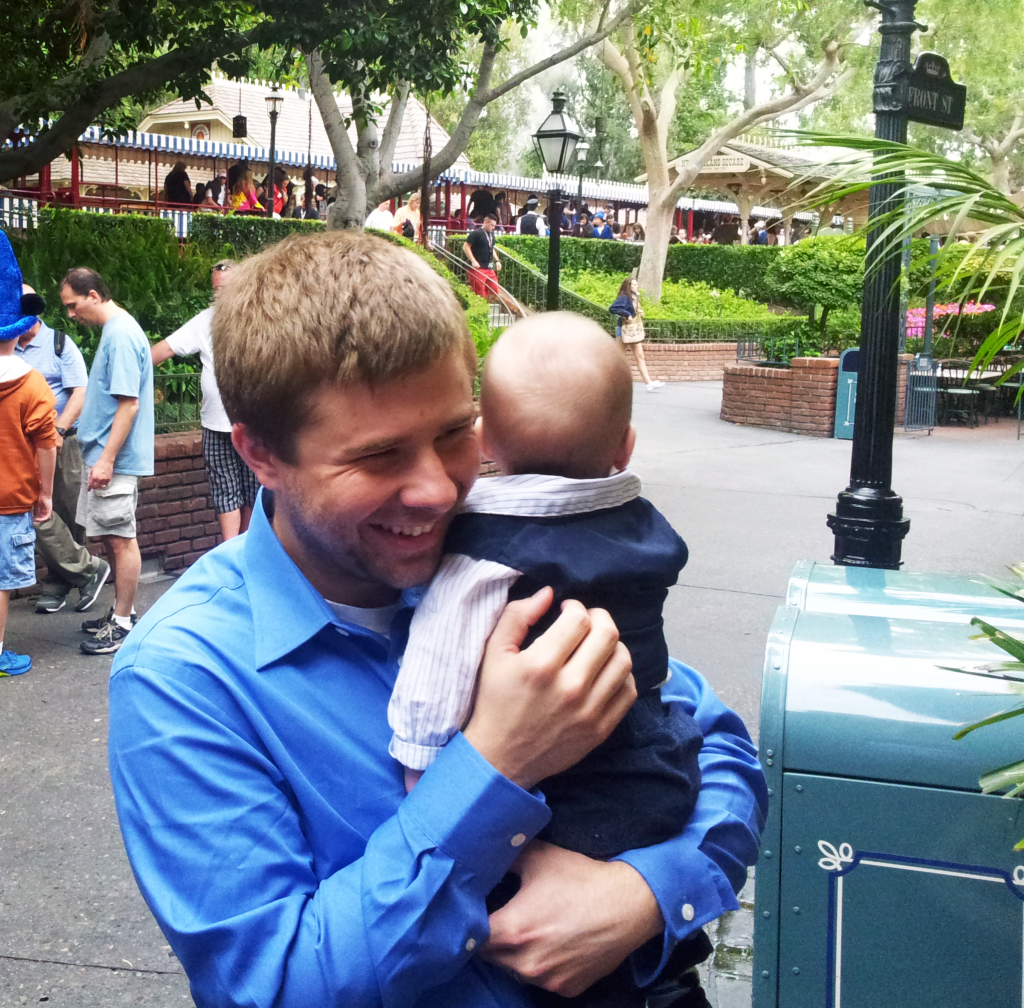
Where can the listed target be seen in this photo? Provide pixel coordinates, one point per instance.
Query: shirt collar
(550, 496)
(44, 331)
(287, 610)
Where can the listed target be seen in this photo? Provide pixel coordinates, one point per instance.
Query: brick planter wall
(801, 399)
(684, 361)
(177, 523)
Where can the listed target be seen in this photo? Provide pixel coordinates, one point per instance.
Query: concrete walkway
(74, 930)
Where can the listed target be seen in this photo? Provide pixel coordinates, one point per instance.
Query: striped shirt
(433, 694)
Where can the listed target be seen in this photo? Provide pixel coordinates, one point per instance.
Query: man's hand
(59, 441)
(43, 510)
(101, 474)
(573, 921)
(539, 711)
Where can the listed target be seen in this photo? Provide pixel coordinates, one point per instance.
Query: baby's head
(555, 399)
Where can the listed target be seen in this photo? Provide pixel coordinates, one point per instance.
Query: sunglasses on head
(221, 267)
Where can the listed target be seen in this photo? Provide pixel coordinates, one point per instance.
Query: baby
(556, 397)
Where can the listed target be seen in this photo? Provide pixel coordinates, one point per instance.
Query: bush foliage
(159, 282)
(237, 237)
(739, 268)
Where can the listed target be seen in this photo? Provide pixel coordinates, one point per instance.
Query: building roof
(299, 125)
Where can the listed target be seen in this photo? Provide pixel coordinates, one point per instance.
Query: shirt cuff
(691, 891)
(411, 755)
(472, 813)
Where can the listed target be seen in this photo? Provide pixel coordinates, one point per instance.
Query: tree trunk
(750, 79)
(1000, 172)
(657, 231)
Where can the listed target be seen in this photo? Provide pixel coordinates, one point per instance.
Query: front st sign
(932, 96)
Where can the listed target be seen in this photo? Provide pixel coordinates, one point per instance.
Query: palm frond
(929, 187)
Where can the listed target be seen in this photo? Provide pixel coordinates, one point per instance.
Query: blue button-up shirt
(62, 373)
(270, 831)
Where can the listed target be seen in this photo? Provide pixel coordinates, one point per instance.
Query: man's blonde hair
(330, 308)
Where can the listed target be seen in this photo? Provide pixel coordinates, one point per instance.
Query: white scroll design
(835, 859)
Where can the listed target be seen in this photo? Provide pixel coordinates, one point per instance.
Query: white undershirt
(12, 367)
(377, 620)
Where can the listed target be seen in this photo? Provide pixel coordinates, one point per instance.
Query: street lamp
(582, 148)
(555, 143)
(868, 522)
(274, 101)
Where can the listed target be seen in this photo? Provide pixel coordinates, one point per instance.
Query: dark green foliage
(741, 268)
(237, 237)
(161, 283)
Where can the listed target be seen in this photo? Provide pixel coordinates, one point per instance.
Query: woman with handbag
(630, 327)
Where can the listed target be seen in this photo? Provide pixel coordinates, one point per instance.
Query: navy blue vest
(623, 559)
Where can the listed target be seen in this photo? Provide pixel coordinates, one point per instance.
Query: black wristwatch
(62, 432)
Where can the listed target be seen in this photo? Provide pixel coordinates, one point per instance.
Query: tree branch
(327, 103)
(393, 129)
(141, 77)
(816, 89)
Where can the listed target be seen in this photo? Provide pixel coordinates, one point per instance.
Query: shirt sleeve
(40, 416)
(187, 339)
(217, 843)
(696, 875)
(73, 372)
(434, 690)
(124, 369)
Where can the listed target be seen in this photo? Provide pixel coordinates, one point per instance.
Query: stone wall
(685, 361)
(801, 398)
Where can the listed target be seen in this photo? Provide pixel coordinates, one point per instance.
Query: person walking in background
(243, 192)
(116, 433)
(483, 258)
(177, 185)
(60, 540)
(630, 327)
(28, 452)
(381, 218)
(232, 483)
(407, 219)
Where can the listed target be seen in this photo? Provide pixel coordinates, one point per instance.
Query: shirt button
(687, 912)
(518, 840)
(470, 944)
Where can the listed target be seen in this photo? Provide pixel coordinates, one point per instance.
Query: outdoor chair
(957, 403)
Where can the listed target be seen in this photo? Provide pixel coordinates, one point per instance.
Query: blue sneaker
(14, 664)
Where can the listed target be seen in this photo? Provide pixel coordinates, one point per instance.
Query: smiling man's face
(378, 475)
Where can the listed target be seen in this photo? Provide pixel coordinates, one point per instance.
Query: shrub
(159, 282)
(236, 237)
(679, 300)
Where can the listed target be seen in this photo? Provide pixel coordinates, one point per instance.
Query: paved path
(74, 930)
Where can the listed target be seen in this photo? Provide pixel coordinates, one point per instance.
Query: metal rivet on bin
(770, 752)
(777, 665)
(799, 787)
(798, 849)
(767, 913)
(765, 974)
(796, 909)
(767, 853)
(771, 793)
(796, 969)
(770, 762)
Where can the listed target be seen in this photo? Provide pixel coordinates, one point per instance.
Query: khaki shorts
(110, 511)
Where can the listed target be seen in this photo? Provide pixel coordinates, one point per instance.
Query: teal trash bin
(886, 878)
(846, 393)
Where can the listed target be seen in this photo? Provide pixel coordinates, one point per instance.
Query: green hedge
(734, 267)
(237, 237)
(160, 282)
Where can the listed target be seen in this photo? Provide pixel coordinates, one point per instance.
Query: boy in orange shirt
(28, 452)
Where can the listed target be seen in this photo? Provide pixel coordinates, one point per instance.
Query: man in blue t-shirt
(115, 432)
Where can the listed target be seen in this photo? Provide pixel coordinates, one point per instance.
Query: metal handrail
(460, 267)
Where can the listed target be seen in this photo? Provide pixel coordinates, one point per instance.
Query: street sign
(932, 96)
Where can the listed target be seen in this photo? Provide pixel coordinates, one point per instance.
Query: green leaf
(992, 719)
(995, 780)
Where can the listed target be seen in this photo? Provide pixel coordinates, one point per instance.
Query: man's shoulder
(123, 327)
(202, 623)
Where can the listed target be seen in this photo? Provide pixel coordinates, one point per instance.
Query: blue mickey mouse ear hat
(18, 312)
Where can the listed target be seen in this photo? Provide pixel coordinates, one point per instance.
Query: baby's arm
(434, 690)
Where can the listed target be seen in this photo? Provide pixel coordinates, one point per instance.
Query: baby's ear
(625, 452)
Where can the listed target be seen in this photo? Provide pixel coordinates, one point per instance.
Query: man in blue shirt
(267, 825)
(60, 539)
(115, 432)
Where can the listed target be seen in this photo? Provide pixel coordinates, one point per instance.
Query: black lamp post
(581, 162)
(274, 101)
(555, 143)
(868, 522)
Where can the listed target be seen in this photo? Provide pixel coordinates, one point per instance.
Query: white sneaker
(655, 385)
